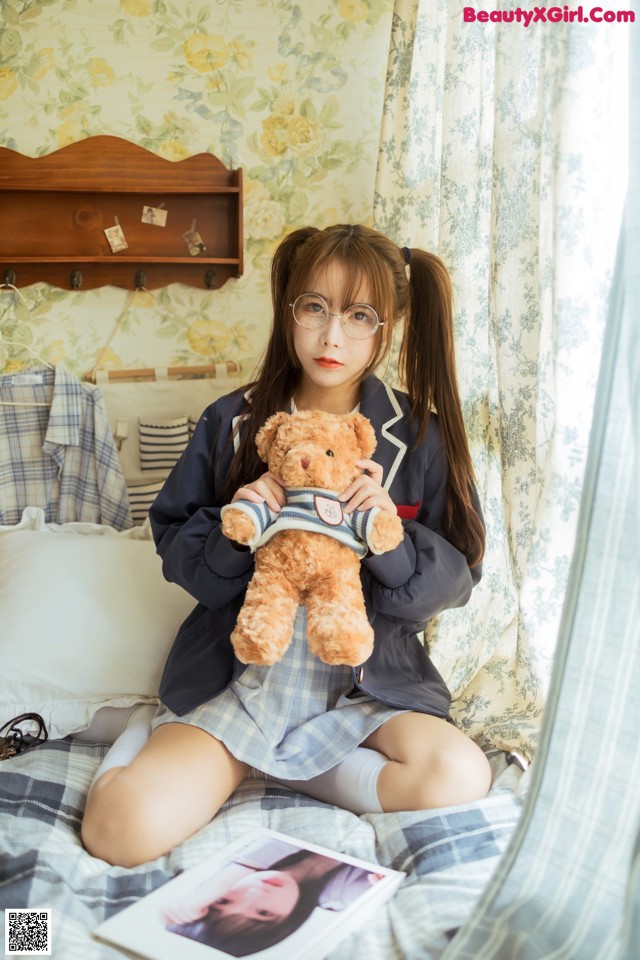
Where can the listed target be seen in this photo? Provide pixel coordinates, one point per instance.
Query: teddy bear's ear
(267, 433)
(365, 434)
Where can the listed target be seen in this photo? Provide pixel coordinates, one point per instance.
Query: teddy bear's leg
(338, 630)
(264, 627)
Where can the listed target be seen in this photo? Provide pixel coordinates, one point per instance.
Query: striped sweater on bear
(312, 509)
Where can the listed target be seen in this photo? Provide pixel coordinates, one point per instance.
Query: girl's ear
(267, 433)
(365, 434)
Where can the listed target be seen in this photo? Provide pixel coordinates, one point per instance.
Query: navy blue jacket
(403, 589)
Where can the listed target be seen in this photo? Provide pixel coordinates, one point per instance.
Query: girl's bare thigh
(171, 789)
(432, 764)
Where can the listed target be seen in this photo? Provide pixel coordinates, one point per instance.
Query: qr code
(27, 933)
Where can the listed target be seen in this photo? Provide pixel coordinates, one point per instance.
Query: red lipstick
(328, 363)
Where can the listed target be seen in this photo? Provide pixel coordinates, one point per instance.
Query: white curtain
(503, 151)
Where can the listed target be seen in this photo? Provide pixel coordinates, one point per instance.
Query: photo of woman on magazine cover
(264, 896)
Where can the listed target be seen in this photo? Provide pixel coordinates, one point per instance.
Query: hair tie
(406, 252)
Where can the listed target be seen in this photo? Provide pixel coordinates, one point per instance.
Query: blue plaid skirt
(292, 720)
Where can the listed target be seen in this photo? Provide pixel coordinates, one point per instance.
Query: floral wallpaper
(291, 94)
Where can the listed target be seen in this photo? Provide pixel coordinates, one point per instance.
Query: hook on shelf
(210, 279)
(9, 278)
(75, 279)
(140, 280)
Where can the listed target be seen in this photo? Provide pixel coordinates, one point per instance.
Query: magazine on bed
(266, 895)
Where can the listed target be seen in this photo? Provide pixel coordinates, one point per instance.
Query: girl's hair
(241, 937)
(423, 301)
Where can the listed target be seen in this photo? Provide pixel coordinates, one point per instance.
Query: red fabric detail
(408, 511)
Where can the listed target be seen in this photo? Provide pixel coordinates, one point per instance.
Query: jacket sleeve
(440, 578)
(425, 574)
(186, 526)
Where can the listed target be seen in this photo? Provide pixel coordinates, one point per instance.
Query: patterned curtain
(502, 151)
(569, 884)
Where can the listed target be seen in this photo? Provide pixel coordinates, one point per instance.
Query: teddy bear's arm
(245, 521)
(384, 532)
(379, 530)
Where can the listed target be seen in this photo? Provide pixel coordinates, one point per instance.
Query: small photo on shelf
(157, 216)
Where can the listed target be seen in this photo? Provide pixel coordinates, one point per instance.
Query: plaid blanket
(448, 855)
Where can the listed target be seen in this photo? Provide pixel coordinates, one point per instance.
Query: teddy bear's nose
(304, 462)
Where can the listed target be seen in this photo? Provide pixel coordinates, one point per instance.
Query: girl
(374, 738)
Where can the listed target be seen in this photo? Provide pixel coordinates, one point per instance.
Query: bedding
(448, 855)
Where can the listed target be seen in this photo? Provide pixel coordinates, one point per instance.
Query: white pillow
(85, 621)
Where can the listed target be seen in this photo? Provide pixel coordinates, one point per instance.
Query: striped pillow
(162, 442)
(141, 496)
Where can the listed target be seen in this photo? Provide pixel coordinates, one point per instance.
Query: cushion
(141, 496)
(162, 442)
(87, 621)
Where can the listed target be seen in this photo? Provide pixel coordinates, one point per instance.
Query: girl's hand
(366, 491)
(266, 489)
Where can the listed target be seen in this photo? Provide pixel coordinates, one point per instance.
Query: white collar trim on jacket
(402, 447)
(235, 423)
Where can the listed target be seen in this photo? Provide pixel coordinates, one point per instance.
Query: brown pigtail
(281, 265)
(279, 369)
(427, 361)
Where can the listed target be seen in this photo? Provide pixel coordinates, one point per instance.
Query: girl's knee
(120, 825)
(456, 774)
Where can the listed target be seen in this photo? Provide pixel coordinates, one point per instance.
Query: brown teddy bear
(309, 553)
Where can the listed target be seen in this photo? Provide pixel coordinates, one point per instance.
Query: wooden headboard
(54, 211)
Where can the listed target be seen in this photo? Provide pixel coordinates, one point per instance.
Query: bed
(102, 599)
(448, 855)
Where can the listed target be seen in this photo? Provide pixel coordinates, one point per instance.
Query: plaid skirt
(292, 720)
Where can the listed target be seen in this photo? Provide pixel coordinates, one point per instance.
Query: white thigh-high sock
(135, 733)
(106, 725)
(351, 784)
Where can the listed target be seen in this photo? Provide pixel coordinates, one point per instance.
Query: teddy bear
(309, 553)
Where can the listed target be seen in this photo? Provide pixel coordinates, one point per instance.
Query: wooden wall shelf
(54, 211)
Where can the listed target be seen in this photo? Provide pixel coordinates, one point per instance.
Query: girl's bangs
(369, 279)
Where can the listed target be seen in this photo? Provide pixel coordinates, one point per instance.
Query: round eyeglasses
(359, 321)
